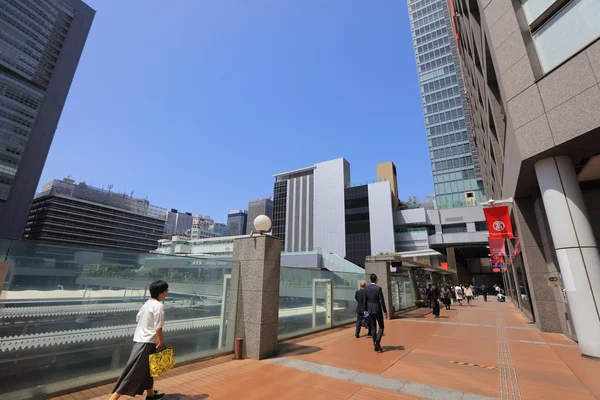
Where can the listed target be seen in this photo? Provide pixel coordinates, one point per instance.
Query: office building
(40, 45)
(220, 229)
(317, 208)
(256, 208)
(361, 221)
(532, 75)
(454, 161)
(178, 223)
(237, 220)
(79, 214)
(201, 227)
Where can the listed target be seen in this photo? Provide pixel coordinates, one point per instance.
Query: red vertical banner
(498, 222)
(444, 265)
(497, 246)
(517, 250)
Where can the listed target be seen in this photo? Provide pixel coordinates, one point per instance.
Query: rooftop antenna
(110, 187)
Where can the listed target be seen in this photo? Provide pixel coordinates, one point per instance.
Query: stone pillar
(463, 274)
(257, 316)
(575, 245)
(539, 263)
(382, 270)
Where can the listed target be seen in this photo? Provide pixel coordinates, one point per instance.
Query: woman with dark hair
(148, 337)
(446, 297)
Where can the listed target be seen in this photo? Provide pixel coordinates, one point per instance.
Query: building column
(382, 270)
(257, 316)
(576, 248)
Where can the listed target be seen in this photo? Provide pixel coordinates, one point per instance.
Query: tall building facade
(178, 223)
(256, 208)
(79, 214)
(454, 162)
(532, 75)
(237, 220)
(41, 42)
(317, 208)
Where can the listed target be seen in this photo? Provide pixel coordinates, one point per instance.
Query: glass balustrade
(68, 314)
(312, 300)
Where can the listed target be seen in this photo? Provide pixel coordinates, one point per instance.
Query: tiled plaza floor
(488, 350)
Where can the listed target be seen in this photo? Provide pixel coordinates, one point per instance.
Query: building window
(561, 28)
(481, 226)
(454, 228)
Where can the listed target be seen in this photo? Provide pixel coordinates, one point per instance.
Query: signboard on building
(497, 247)
(498, 222)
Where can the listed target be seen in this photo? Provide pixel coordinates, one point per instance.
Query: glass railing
(312, 300)
(68, 314)
(402, 292)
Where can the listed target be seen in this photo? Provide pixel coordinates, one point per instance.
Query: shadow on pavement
(392, 348)
(294, 349)
(179, 396)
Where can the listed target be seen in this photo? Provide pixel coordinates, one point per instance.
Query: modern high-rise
(41, 42)
(317, 208)
(178, 223)
(237, 221)
(256, 208)
(79, 214)
(532, 75)
(456, 177)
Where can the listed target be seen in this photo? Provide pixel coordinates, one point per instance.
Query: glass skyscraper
(40, 45)
(456, 176)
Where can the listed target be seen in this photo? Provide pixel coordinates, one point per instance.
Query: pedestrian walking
(447, 297)
(484, 292)
(459, 294)
(361, 302)
(434, 296)
(147, 339)
(469, 294)
(376, 310)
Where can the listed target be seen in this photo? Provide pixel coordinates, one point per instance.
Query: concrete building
(66, 212)
(237, 220)
(454, 161)
(532, 80)
(41, 44)
(256, 208)
(317, 208)
(178, 223)
(220, 229)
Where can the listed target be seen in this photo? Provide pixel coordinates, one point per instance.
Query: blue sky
(196, 105)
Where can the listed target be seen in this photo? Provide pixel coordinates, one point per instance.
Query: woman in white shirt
(148, 337)
(469, 294)
(458, 291)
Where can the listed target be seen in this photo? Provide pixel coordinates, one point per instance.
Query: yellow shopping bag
(161, 361)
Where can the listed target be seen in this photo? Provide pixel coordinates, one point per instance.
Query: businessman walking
(361, 299)
(376, 309)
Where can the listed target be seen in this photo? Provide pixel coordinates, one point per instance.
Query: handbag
(162, 361)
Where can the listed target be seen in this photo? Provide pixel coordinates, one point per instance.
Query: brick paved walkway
(488, 350)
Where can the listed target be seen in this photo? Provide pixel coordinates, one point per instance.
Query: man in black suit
(361, 301)
(376, 309)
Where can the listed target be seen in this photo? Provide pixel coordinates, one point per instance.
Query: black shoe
(356, 336)
(378, 348)
(156, 396)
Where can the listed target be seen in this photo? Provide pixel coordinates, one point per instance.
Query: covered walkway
(487, 350)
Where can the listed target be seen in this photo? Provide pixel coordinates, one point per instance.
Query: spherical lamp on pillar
(262, 224)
